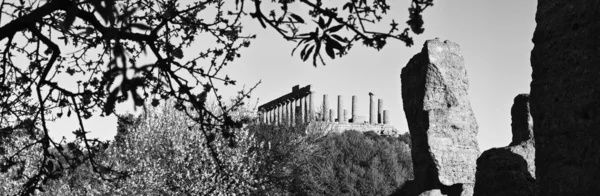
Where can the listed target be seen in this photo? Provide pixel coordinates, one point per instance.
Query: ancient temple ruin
(300, 106)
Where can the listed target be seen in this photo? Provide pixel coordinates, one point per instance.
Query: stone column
(306, 110)
(301, 114)
(282, 117)
(354, 107)
(288, 115)
(292, 112)
(269, 116)
(372, 110)
(285, 113)
(325, 108)
(379, 111)
(272, 116)
(386, 117)
(266, 115)
(340, 109)
(331, 118)
(275, 114)
(311, 106)
(281, 114)
(278, 115)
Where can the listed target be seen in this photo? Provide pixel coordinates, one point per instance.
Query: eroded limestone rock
(441, 123)
(565, 97)
(510, 171)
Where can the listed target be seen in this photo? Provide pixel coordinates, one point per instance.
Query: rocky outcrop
(510, 171)
(565, 97)
(441, 123)
(522, 123)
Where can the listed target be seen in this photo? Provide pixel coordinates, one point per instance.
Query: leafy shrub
(306, 160)
(286, 148)
(19, 175)
(353, 163)
(17, 170)
(167, 155)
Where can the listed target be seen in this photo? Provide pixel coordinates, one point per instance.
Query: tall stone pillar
(292, 112)
(266, 116)
(372, 110)
(331, 116)
(290, 104)
(311, 106)
(442, 125)
(270, 116)
(282, 114)
(340, 109)
(325, 108)
(354, 108)
(286, 114)
(379, 111)
(306, 110)
(276, 115)
(279, 114)
(301, 113)
(284, 118)
(386, 117)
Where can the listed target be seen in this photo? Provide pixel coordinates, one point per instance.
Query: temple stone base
(381, 129)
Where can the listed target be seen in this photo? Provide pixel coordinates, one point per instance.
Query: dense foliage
(311, 161)
(166, 158)
(147, 50)
(353, 163)
(287, 148)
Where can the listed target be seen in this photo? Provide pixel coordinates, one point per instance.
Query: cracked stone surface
(441, 123)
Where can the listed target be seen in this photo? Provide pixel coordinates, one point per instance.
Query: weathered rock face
(523, 142)
(522, 123)
(510, 171)
(441, 123)
(565, 97)
(501, 172)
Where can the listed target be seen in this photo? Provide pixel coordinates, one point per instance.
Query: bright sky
(495, 38)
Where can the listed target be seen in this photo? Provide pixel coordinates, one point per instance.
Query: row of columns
(290, 112)
(302, 110)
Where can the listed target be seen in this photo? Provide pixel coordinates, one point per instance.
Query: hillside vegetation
(164, 154)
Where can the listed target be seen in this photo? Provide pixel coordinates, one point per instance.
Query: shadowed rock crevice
(440, 120)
